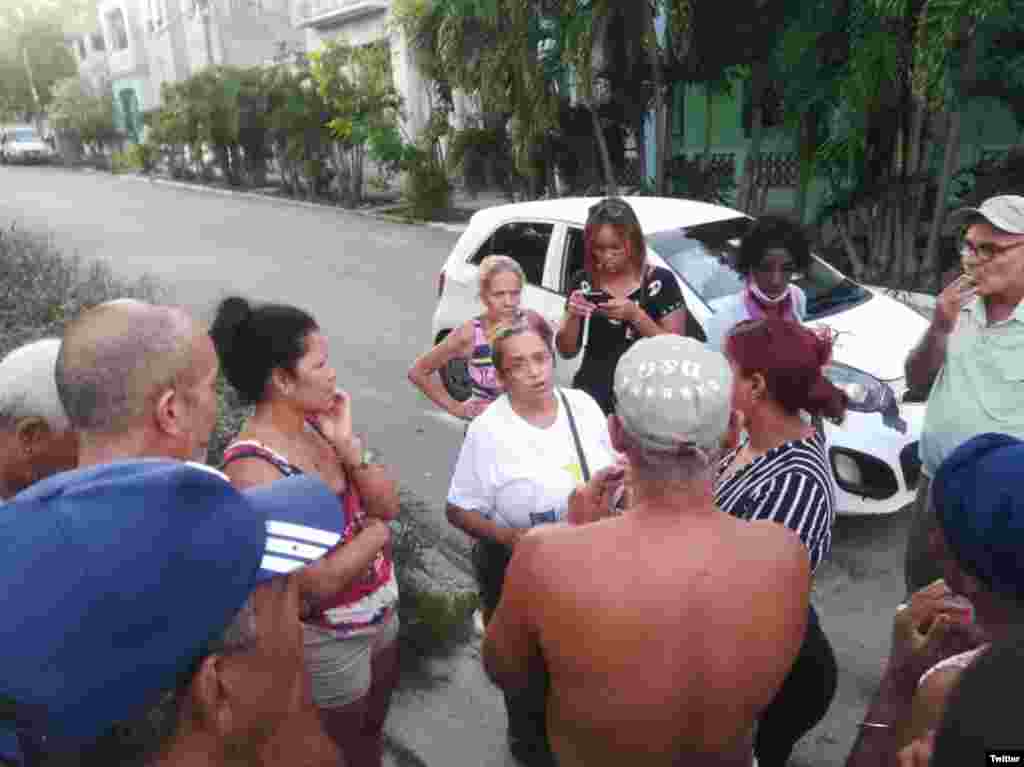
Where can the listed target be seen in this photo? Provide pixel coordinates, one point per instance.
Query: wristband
(875, 725)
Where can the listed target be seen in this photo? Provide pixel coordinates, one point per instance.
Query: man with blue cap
(979, 504)
(148, 619)
(971, 360)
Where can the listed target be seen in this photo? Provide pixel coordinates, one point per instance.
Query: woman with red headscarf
(620, 295)
(781, 472)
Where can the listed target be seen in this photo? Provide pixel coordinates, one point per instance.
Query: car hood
(875, 336)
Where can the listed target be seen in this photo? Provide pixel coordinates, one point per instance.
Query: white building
(360, 22)
(142, 44)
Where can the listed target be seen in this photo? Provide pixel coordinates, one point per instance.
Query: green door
(130, 109)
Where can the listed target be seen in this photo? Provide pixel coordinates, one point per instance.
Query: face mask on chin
(761, 296)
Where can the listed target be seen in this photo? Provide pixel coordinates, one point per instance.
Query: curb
(368, 212)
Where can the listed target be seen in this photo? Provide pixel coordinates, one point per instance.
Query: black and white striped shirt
(790, 484)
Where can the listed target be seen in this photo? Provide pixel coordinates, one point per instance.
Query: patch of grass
(447, 216)
(435, 620)
(41, 289)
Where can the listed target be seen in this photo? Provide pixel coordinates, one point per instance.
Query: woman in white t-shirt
(518, 466)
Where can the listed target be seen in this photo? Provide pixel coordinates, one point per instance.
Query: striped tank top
(482, 375)
(363, 605)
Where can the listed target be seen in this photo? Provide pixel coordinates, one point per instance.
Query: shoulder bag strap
(575, 437)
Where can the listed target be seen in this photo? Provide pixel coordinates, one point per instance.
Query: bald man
(138, 380)
(665, 631)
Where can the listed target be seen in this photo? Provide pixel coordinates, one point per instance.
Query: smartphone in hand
(597, 296)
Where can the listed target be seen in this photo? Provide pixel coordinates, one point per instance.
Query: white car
(23, 145)
(874, 454)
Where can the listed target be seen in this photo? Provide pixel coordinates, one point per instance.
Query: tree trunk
(856, 262)
(752, 165)
(640, 134)
(805, 149)
(336, 163)
(611, 188)
(951, 159)
(660, 118)
(220, 151)
(708, 125)
(237, 165)
(665, 150)
(917, 189)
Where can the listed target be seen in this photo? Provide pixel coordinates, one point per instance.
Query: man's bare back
(665, 634)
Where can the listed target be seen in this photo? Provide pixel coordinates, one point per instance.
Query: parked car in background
(874, 454)
(23, 144)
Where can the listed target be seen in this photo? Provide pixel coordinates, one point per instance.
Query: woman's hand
(336, 426)
(621, 309)
(928, 630)
(918, 753)
(470, 409)
(377, 531)
(579, 306)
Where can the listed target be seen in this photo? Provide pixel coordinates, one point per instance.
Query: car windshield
(703, 257)
(25, 134)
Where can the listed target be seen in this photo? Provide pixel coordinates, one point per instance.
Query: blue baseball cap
(117, 576)
(979, 500)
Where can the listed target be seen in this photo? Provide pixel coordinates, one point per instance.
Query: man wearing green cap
(972, 358)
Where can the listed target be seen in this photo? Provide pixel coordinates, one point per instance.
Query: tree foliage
(87, 113)
(34, 30)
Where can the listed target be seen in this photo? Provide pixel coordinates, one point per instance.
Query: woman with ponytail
(276, 358)
(772, 252)
(781, 472)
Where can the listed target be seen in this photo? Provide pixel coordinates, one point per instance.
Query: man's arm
(511, 651)
(926, 359)
(929, 355)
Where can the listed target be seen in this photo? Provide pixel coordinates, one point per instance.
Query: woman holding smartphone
(619, 294)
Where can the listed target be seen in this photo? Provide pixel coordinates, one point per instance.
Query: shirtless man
(665, 631)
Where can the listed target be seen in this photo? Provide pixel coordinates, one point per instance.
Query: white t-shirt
(519, 475)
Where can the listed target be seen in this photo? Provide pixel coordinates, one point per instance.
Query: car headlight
(865, 392)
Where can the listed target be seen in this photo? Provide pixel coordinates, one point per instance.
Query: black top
(659, 295)
(790, 484)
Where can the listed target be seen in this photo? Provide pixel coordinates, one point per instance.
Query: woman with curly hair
(771, 254)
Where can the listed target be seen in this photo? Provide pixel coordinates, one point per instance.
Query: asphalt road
(372, 286)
